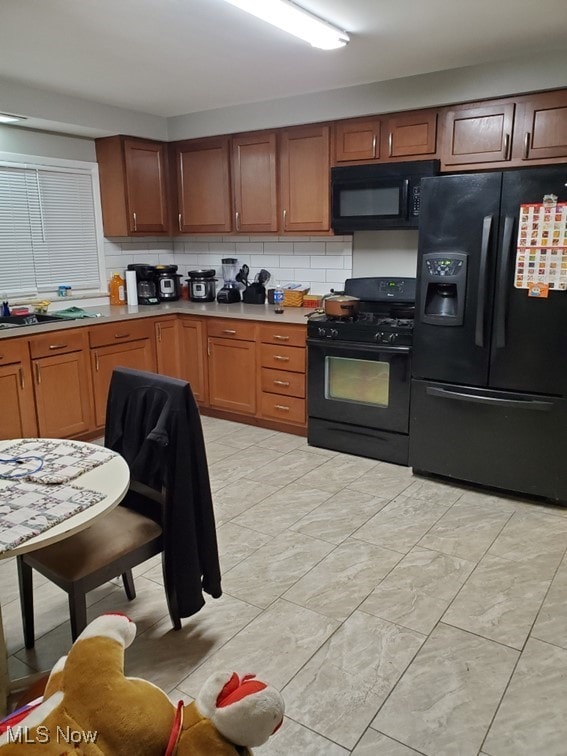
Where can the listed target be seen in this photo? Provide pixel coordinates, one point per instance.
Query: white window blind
(47, 230)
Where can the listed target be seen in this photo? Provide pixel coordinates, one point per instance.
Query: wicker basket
(294, 297)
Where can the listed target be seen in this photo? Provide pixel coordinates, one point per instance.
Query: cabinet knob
(229, 331)
(390, 144)
(281, 338)
(284, 219)
(135, 221)
(281, 383)
(281, 358)
(237, 220)
(281, 407)
(179, 222)
(57, 346)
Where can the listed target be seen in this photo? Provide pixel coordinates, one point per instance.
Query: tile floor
(397, 614)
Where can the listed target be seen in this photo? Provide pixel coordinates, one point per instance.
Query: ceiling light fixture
(289, 17)
(11, 118)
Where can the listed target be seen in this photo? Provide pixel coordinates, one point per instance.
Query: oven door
(365, 385)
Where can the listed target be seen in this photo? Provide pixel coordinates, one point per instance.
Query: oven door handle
(328, 344)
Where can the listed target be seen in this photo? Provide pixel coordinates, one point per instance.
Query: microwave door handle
(405, 191)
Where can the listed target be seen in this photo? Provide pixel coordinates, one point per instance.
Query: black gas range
(359, 372)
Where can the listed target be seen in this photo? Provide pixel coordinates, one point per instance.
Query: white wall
(45, 144)
(529, 72)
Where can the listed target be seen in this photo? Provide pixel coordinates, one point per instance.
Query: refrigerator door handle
(482, 282)
(529, 404)
(502, 287)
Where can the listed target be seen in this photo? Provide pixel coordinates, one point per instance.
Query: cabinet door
(17, 408)
(254, 182)
(410, 134)
(138, 355)
(167, 348)
(192, 354)
(232, 375)
(146, 186)
(305, 179)
(63, 395)
(543, 132)
(203, 186)
(357, 139)
(480, 134)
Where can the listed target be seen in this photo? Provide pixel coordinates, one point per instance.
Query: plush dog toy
(90, 709)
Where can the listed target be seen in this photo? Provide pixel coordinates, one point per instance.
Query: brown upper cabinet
(263, 182)
(541, 133)
(392, 137)
(254, 182)
(506, 133)
(479, 133)
(133, 184)
(304, 179)
(203, 185)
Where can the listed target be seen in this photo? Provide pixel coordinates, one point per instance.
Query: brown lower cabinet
(192, 350)
(231, 352)
(129, 344)
(56, 384)
(282, 376)
(167, 346)
(17, 406)
(62, 383)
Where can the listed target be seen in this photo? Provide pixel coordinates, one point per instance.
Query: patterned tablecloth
(35, 493)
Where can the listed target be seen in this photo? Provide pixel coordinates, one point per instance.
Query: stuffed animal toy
(90, 708)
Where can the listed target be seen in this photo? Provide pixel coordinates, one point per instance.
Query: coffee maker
(146, 283)
(230, 292)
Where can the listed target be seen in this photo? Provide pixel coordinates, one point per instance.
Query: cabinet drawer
(283, 358)
(13, 350)
(283, 382)
(58, 342)
(231, 329)
(285, 335)
(285, 408)
(119, 332)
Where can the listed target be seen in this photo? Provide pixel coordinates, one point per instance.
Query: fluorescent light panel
(10, 118)
(291, 18)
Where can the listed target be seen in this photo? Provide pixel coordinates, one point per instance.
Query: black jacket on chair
(167, 450)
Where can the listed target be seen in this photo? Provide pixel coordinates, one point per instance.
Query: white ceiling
(174, 57)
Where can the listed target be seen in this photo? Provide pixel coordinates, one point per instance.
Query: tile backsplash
(321, 263)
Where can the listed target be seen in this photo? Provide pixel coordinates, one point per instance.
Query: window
(50, 229)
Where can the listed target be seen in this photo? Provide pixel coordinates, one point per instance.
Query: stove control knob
(321, 332)
(378, 336)
(392, 338)
(334, 333)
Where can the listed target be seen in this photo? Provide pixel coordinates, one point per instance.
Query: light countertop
(110, 314)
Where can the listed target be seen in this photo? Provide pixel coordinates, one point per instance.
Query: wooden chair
(112, 546)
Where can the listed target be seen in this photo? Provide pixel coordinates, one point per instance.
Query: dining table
(100, 479)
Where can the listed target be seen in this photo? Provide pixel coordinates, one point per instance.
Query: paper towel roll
(131, 288)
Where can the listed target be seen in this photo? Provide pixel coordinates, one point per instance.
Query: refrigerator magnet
(539, 290)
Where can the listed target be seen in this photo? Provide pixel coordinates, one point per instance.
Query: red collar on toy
(175, 734)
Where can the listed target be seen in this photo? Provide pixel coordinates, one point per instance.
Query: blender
(230, 292)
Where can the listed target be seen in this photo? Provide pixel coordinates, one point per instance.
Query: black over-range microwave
(367, 197)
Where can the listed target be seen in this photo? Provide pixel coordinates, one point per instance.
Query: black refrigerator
(489, 367)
